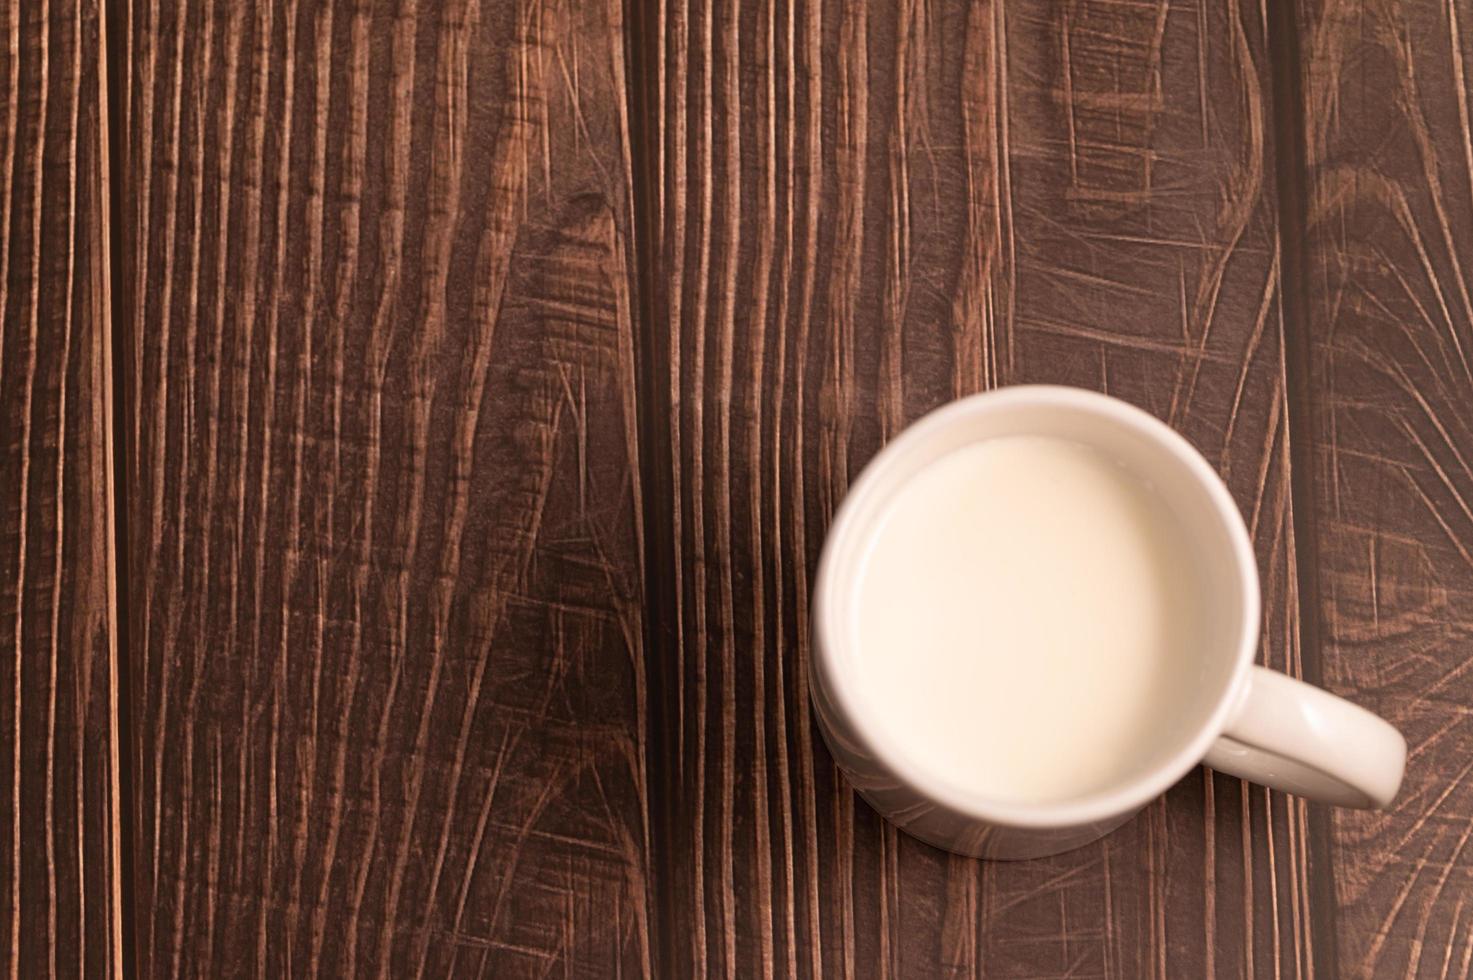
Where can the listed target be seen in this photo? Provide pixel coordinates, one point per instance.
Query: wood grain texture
(471, 533)
(60, 865)
(1386, 90)
(855, 213)
(385, 547)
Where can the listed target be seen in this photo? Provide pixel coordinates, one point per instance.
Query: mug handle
(1292, 736)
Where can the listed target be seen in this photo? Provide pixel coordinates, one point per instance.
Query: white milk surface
(1025, 620)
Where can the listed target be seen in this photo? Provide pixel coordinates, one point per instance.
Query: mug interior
(1217, 543)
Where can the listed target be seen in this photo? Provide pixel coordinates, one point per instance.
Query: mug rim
(1122, 796)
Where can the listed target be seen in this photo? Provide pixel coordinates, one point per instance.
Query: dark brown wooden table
(421, 419)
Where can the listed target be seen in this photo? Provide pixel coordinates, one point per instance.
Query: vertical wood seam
(112, 173)
(1291, 180)
(653, 406)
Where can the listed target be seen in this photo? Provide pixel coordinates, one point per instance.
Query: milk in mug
(1026, 611)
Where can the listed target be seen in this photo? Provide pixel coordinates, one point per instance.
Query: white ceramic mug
(1252, 722)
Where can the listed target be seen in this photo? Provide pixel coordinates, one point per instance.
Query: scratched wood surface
(1388, 226)
(493, 368)
(59, 901)
(856, 213)
(385, 553)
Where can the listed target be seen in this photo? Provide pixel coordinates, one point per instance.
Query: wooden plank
(60, 908)
(857, 212)
(1386, 90)
(386, 580)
